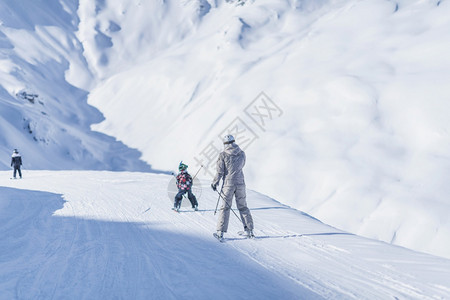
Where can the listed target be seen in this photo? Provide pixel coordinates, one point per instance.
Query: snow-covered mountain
(342, 106)
(42, 113)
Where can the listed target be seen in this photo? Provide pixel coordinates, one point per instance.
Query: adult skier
(184, 184)
(229, 169)
(16, 162)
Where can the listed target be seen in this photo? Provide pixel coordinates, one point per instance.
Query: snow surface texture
(112, 235)
(361, 140)
(42, 114)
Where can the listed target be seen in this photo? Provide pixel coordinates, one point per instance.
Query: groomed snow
(362, 140)
(105, 235)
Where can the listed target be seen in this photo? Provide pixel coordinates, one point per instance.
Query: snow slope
(92, 235)
(360, 138)
(42, 112)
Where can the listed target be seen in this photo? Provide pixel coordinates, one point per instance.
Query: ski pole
(223, 198)
(217, 204)
(201, 166)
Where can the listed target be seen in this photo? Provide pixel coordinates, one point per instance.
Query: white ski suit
(229, 169)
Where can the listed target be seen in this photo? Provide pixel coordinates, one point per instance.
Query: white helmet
(228, 139)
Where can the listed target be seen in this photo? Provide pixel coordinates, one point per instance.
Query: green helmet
(182, 166)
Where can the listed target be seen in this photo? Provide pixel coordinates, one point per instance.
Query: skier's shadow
(193, 211)
(234, 208)
(270, 207)
(288, 236)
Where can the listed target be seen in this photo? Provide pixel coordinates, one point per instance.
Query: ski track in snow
(92, 235)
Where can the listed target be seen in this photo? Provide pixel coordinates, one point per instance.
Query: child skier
(184, 184)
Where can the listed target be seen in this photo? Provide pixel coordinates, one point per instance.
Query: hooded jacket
(229, 166)
(16, 160)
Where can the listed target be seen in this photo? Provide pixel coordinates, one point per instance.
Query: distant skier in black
(184, 184)
(16, 162)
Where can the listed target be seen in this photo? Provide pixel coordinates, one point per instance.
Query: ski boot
(219, 235)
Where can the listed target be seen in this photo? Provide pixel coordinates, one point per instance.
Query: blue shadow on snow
(45, 254)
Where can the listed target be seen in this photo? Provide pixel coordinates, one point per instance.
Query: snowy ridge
(42, 113)
(117, 237)
(363, 140)
(362, 143)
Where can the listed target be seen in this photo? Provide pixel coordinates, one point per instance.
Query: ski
(180, 211)
(220, 239)
(244, 233)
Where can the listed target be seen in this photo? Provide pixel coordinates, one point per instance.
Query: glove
(214, 187)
